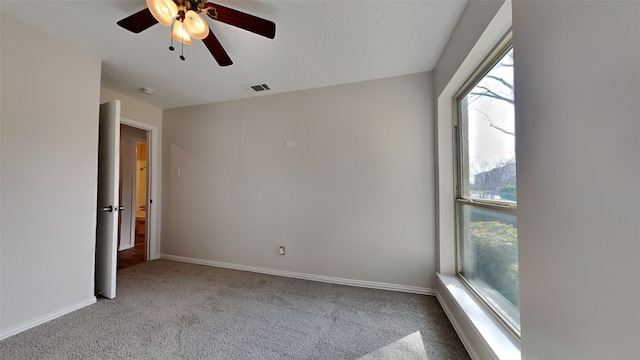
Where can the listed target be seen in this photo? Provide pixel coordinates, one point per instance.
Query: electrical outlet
(282, 250)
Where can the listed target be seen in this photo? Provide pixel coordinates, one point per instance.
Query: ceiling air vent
(255, 89)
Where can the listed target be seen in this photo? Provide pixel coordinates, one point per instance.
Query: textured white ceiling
(318, 43)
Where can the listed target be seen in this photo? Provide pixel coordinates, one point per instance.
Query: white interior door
(108, 208)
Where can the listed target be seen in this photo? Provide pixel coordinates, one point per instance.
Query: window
(486, 199)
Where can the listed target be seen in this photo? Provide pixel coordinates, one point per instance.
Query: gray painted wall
(470, 27)
(134, 109)
(577, 67)
(577, 76)
(49, 142)
(352, 200)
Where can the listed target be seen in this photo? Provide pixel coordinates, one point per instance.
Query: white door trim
(153, 164)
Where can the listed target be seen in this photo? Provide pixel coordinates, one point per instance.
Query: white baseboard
(296, 275)
(47, 317)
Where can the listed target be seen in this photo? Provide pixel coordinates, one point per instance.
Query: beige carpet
(171, 310)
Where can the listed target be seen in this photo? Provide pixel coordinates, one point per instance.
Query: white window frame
(482, 333)
(491, 60)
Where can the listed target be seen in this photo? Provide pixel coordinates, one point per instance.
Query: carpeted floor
(171, 310)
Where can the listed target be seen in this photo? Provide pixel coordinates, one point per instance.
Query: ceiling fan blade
(242, 20)
(138, 22)
(216, 49)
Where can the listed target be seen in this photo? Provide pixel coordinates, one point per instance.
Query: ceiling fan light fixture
(173, 13)
(163, 10)
(195, 26)
(179, 34)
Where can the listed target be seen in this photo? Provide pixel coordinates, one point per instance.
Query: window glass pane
(487, 123)
(489, 258)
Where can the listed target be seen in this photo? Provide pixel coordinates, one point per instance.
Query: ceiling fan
(184, 18)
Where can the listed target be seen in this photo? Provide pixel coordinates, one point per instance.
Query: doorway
(134, 196)
(109, 207)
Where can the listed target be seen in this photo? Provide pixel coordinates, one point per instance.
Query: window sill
(484, 336)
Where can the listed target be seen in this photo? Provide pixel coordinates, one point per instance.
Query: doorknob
(121, 208)
(107, 209)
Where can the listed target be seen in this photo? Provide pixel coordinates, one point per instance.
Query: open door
(108, 208)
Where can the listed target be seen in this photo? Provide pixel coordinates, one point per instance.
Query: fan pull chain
(182, 47)
(171, 37)
(182, 41)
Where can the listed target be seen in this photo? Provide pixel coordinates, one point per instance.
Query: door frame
(152, 248)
